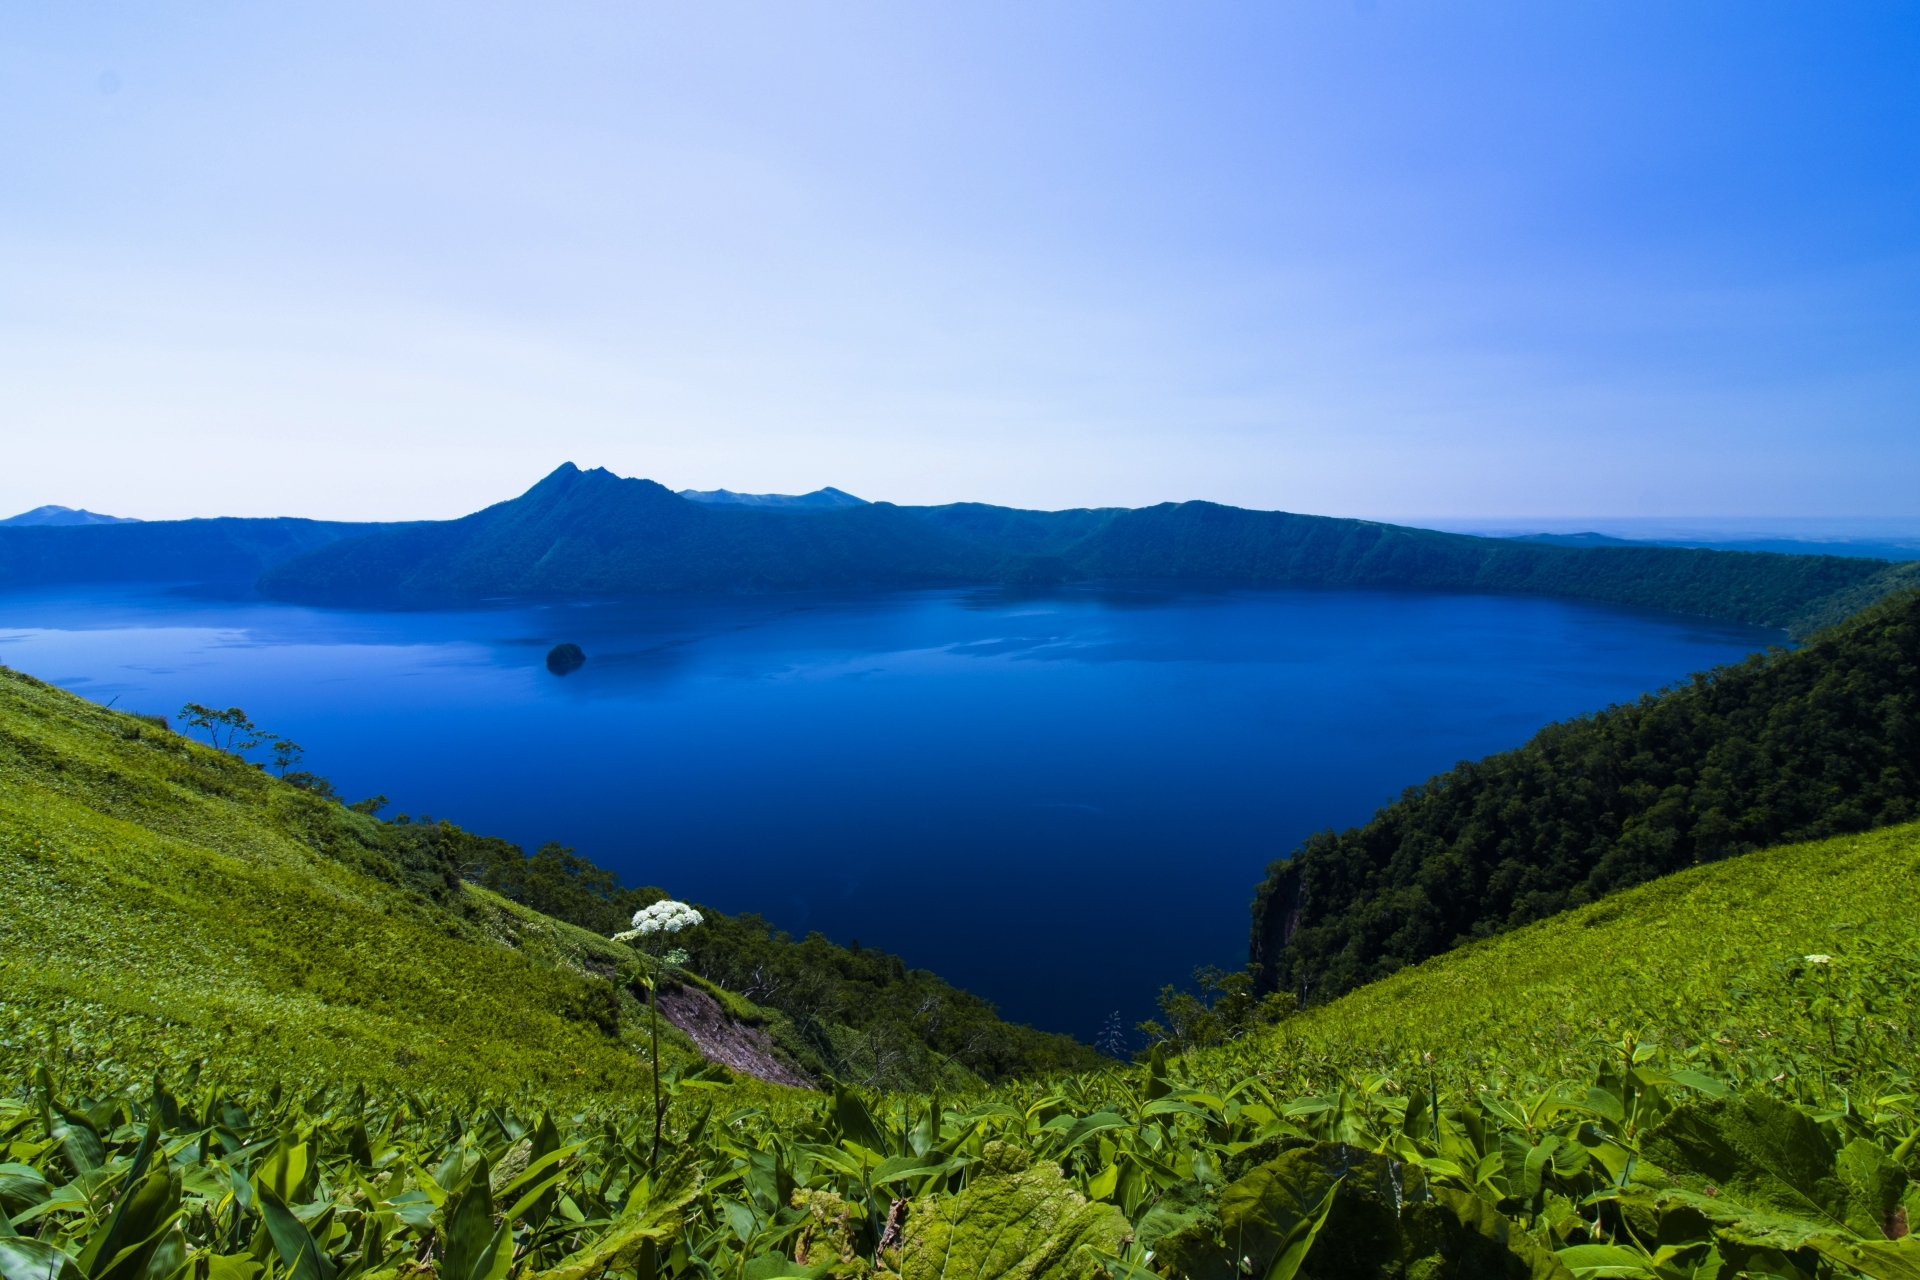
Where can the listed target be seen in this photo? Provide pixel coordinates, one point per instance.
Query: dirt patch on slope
(742, 1047)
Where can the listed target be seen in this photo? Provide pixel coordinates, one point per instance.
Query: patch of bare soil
(743, 1048)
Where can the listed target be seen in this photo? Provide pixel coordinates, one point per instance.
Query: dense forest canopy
(1784, 746)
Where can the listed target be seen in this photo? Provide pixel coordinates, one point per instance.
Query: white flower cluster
(665, 916)
(1818, 959)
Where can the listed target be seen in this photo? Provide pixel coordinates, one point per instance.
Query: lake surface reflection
(1059, 800)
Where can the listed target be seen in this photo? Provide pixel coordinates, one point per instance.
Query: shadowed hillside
(590, 533)
(587, 533)
(223, 550)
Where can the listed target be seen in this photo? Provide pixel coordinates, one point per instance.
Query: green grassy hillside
(167, 902)
(1784, 746)
(1708, 963)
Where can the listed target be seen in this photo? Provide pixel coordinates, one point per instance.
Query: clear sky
(389, 260)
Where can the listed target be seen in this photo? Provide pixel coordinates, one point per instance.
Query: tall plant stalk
(653, 1017)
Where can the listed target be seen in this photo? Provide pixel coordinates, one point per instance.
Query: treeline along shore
(593, 534)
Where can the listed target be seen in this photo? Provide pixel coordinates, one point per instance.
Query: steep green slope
(1784, 746)
(1708, 962)
(328, 927)
(861, 1015)
(167, 902)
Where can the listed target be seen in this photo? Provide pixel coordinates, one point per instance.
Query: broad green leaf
(1029, 1223)
(1704, 1084)
(296, 1246)
(122, 1247)
(284, 1173)
(1539, 1159)
(22, 1258)
(900, 1168)
(1760, 1152)
(1087, 1126)
(778, 1266)
(1604, 1261)
(1879, 1259)
(1299, 1240)
(1483, 1219)
(470, 1234)
(855, 1122)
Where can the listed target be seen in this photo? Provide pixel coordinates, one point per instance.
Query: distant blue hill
(1858, 548)
(594, 534)
(228, 550)
(827, 499)
(61, 517)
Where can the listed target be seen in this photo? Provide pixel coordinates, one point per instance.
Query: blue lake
(1059, 800)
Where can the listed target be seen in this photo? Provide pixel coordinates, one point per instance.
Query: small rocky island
(565, 659)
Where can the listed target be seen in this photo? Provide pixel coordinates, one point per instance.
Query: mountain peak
(827, 499)
(58, 515)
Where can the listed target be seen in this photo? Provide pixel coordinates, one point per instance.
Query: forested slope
(1784, 746)
(1205, 540)
(220, 550)
(587, 533)
(591, 533)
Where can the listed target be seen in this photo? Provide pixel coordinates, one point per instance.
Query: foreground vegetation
(1784, 746)
(1705, 1077)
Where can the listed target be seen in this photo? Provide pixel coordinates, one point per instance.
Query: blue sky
(1377, 258)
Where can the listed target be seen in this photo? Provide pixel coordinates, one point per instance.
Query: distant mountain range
(594, 534)
(228, 550)
(1863, 548)
(819, 500)
(61, 517)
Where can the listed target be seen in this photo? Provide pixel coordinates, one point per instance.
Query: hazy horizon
(1815, 528)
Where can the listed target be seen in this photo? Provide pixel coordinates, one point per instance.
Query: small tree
(228, 730)
(286, 753)
(1225, 1009)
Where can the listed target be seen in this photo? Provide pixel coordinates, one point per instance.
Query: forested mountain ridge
(593, 533)
(227, 549)
(1784, 746)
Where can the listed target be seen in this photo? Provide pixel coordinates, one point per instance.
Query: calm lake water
(1060, 800)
